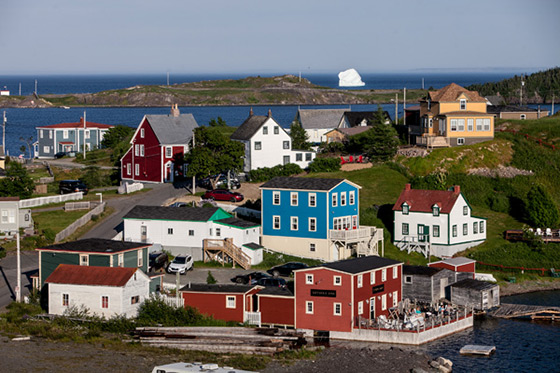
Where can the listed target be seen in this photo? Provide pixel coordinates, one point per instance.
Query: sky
(262, 36)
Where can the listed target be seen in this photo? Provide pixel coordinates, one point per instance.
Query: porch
(364, 240)
(433, 141)
(420, 244)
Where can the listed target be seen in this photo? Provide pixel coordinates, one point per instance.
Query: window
(258, 145)
(360, 307)
(522, 116)
(435, 210)
(141, 133)
(41, 132)
(460, 124)
(312, 199)
(359, 281)
(50, 134)
(334, 200)
(337, 309)
(384, 275)
(408, 279)
(479, 124)
(465, 210)
(286, 159)
(395, 272)
(312, 224)
(337, 281)
(384, 302)
(286, 144)
(309, 307)
(46, 149)
(140, 258)
(136, 169)
(293, 198)
(218, 232)
(121, 260)
(460, 141)
(141, 150)
(309, 279)
(87, 134)
(470, 125)
(308, 157)
(135, 299)
(475, 227)
(453, 124)
(84, 259)
(487, 124)
(294, 223)
(265, 130)
(168, 151)
(405, 209)
(4, 216)
(276, 130)
(276, 222)
(343, 199)
(465, 229)
(299, 157)
(136, 152)
(481, 226)
(405, 229)
(351, 197)
(210, 231)
(312, 247)
(454, 230)
(128, 169)
(65, 134)
(65, 300)
(169, 230)
(430, 122)
(191, 232)
(435, 230)
(395, 298)
(463, 104)
(372, 277)
(355, 222)
(230, 301)
(275, 198)
(104, 301)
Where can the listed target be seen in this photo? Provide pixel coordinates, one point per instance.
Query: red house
(221, 301)
(331, 297)
(157, 142)
(276, 306)
(458, 264)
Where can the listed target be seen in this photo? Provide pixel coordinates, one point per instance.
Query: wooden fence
(80, 222)
(529, 137)
(39, 201)
(73, 206)
(503, 268)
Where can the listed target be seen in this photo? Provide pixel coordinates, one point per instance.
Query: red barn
(458, 264)
(221, 301)
(276, 306)
(158, 141)
(331, 297)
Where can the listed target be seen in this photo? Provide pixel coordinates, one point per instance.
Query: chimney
(251, 112)
(456, 189)
(539, 112)
(407, 187)
(175, 110)
(269, 113)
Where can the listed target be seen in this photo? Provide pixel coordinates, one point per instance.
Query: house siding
(276, 310)
(214, 304)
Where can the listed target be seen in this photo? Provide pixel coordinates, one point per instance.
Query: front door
(442, 286)
(372, 308)
(143, 234)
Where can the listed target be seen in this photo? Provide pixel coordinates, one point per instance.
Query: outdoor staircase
(224, 251)
(412, 244)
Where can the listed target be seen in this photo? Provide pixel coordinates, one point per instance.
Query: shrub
(324, 165)
(498, 202)
(210, 278)
(267, 173)
(155, 311)
(540, 208)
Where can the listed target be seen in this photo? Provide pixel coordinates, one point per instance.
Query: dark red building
(158, 141)
(276, 306)
(458, 264)
(333, 296)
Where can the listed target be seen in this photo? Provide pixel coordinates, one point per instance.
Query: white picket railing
(253, 318)
(130, 188)
(78, 223)
(40, 201)
(72, 206)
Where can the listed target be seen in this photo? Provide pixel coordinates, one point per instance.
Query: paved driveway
(8, 275)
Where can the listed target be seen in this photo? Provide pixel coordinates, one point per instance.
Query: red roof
(90, 275)
(421, 200)
(66, 143)
(9, 198)
(79, 124)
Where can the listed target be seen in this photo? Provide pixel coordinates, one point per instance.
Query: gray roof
(301, 183)
(511, 109)
(97, 245)
(173, 130)
(236, 222)
(469, 283)
(320, 118)
(457, 261)
(171, 213)
(420, 270)
(362, 264)
(251, 125)
(218, 288)
(275, 290)
(253, 246)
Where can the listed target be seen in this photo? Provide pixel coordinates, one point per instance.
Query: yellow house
(454, 116)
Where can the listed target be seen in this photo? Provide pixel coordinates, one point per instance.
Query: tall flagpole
(84, 134)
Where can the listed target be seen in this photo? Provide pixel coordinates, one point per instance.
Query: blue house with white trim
(315, 218)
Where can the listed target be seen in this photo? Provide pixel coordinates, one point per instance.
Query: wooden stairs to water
(224, 251)
(513, 311)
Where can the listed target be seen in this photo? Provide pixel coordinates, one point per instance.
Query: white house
(181, 230)
(317, 122)
(436, 219)
(104, 291)
(9, 212)
(267, 144)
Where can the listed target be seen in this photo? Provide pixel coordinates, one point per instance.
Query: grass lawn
(57, 220)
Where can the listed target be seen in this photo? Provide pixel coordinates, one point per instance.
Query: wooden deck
(553, 236)
(513, 311)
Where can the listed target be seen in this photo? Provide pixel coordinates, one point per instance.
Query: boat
(65, 107)
(477, 350)
(195, 367)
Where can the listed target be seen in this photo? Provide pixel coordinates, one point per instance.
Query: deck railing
(352, 234)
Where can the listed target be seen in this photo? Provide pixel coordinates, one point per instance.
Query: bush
(324, 165)
(155, 311)
(540, 208)
(499, 203)
(267, 173)
(210, 278)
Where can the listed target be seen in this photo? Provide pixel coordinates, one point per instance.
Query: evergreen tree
(299, 137)
(17, 182)
(540, 209)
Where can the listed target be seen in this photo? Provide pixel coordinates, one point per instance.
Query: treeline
(539, 87)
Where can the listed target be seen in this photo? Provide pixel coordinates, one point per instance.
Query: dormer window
(405, 208)
(435, 210)
(463, 104)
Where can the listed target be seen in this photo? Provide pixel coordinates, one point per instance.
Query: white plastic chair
(549, 232)
(539, 232)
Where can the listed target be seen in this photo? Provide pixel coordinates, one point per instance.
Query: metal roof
(172, 213)
(362, 264)
(171, 129)
(301, 183)
(96, 245)
(91, 275)
(320, 118)
(218, 288)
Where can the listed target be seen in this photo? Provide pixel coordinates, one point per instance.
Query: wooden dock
(514, 311)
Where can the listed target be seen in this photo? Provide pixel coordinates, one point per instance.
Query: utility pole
(19, 89)
(552, 111)
(168, 78)
(422, 83)
(193, 178)
(18, 281)
(404, 106)
(521, 93)
(396, 108)
(35, 87)
(4, 133)
(84, 134)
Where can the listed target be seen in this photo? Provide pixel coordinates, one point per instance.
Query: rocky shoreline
(528, 287)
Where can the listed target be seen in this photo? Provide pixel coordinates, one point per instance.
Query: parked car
(72, 186)
(221, 181)
(181, 264)
(179, 204)
(249, 278)
(272, 281)
(158, 260)
(223, 195)
(59, 155)
(286, 269)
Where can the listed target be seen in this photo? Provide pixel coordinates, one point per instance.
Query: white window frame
(470, 125)
(360, 307)
(309, 279)
(460, 141)
(384, 302)
(359, 281)
(170, 231)
(294, 198)
(522, 117)
(309, 307)
(479, 124)
(465, 210)
(50, 134)
(337, 280)
(120, 260)
(136, 149)
(463, 104)
(141, 150)
(168, 152)
(274, 197)
(128, 169)
(334, 200)
(405, 209)
(395, 298)
(343, 199)
(41, 132)
(286, 144)
(312, 225)
(65, 300)
(231, 301)
(337, 309)
(395, 272)
(312, 199)
(64, 134)
(352, 197)
(294, 222)
(103, 298)
(460, 125)
(372, 277)
(408, 279)
(276, 218)
(84, 259)
(141, 133)
(87, 134)
(486, 123)
(137, 169)
(140, 258)
(481, 226)
(384, 275)
(46, 149)
(453, 125)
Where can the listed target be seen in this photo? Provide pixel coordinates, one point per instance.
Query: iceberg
(350, 78)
